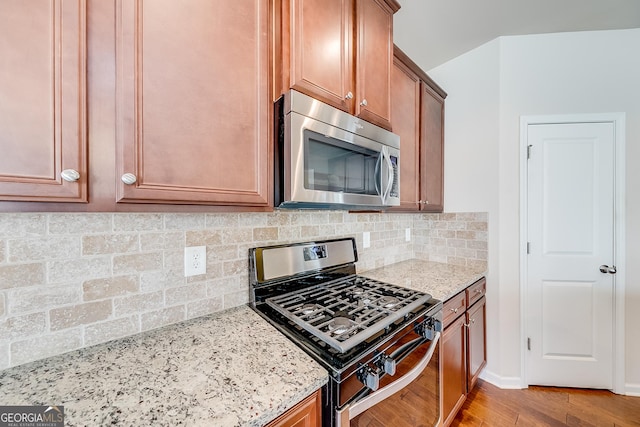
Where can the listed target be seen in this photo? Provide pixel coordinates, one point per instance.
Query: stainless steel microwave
(328, 159)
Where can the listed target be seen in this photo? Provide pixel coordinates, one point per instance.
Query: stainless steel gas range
(378, 341)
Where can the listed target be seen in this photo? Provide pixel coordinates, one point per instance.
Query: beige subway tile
(252, 219)
(227, 285)
(477, 244)
(191, 292)
(221, 220)
(480, 226)
(162, 240)
(80, 314)
(123, 306)
(109, 287)
(236, 299)
(3, 309)
(466, 216)
(174, 260)
(319, 217)
(465, 253)
(336, 217)
(22, 225)
(166, 316)
(215, 269)
(183, 221)
(137, 222)
(465, 234)
(135, 263)
(301, 218)
(22, 300)
(204, 307)
(45, 346)
(204, 237)
(109, 244)
(3, 251)
(80, 223)
(111, 329)
(265, 234)
(223, 253)
(278, 219)
(78, 269)
(23, 326)
(289, 233)
(482, 255)
(327, 230)
(20, 275)
(155, 280)
(309, 231)
(236, 268)
(236, 235)
(478, 265)
(456, 243)
(44, 248)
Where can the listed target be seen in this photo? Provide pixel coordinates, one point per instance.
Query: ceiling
(432, 32)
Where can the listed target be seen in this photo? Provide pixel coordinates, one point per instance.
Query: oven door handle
(353, 410)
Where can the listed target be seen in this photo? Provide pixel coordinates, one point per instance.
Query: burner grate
(345, 312)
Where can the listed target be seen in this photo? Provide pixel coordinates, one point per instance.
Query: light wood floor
(488, 405)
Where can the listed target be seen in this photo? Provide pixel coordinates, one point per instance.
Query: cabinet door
(42, 100)
(476, 341)
(432, 150)
(374, 59)
(454, 374)
(193, 111)
(319, 41)
(405, 116)
(305, 414)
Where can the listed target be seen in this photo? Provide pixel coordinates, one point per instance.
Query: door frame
(618, 120)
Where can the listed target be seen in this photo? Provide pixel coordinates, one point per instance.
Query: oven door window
(338, 166)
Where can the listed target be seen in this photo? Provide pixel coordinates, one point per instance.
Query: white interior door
(570, 232)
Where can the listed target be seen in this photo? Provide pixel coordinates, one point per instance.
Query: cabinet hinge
(528, 247)
(529, 151)
(528, 343)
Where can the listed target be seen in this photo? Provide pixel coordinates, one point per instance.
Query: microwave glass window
(334, 165)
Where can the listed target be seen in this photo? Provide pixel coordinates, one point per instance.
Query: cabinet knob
(364, 103)
(455, 310)
(70, 175)
(129, 178)
(349, 95)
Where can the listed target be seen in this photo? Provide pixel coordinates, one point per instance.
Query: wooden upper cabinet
(432, 150)
(374, 59)
(405, 116)
(417, 115)
(320, 34)
(42, 100)
(337, 51)
(193, 112)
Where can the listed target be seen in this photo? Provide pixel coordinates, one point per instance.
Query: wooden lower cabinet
(454, 372)
(305, 414)
(463, 348)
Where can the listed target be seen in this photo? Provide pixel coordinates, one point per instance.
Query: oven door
(326, 165)
(411, 397)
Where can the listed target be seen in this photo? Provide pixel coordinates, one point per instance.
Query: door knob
(364, 103)
(70, 175)
(349, 95)
(129, 178)
(607, 269)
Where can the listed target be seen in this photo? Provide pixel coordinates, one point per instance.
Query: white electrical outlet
(407, 234)
(366, 239)
(195, 260)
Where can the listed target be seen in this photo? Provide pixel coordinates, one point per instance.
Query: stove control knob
(388, 364)
(369, 377)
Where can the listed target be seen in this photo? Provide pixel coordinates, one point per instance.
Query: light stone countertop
(227, 369)
(440, 280)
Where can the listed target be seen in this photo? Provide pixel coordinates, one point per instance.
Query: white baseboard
(632, 389)
(502, 382)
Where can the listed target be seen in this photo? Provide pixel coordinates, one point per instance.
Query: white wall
(489, 89)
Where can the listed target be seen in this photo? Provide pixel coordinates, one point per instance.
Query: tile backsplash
(69, 281)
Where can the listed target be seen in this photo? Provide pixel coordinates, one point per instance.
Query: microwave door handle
(384, 177)
(351, 411)
(378, 175)
(390, 174)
